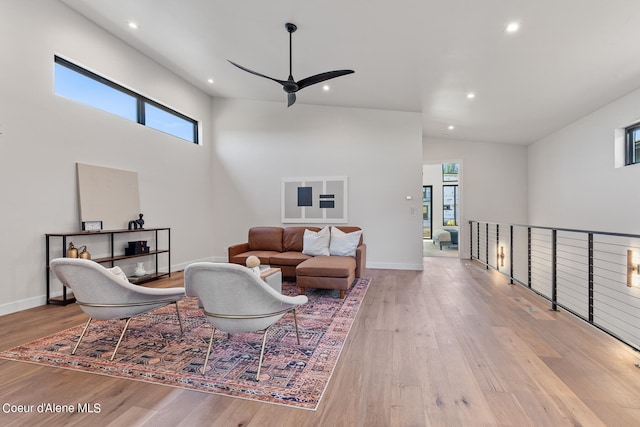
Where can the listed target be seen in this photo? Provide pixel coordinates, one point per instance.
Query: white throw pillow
(316, 244)
(344, 244)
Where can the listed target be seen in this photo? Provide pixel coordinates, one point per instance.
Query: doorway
(441, 209)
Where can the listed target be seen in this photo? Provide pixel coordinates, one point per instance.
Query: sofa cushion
(327, 266)
(344, 244)
(265, 239)
(264, 256)
(288, 258)
(316, 243)
(293, 237)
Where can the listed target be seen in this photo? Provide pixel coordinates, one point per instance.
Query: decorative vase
(83, 253)
(72, 252)
(139, 271)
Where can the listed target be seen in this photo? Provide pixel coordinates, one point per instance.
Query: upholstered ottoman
(326, 272)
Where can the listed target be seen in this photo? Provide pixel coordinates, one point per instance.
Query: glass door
(426, 211)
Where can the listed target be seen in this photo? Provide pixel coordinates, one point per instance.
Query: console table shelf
(67, 298)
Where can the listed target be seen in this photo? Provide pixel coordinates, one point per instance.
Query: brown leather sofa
(281, 247)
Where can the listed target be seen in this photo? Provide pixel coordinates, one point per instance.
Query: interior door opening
(441, 209)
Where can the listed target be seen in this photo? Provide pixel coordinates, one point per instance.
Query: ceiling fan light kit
(290, 86)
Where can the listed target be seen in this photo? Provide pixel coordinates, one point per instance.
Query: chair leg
(82, 335)
(264, 341)
(179, 318)
(206, 360)
(126, 325)
(295, 322)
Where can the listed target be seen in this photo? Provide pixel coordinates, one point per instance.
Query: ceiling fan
(290, 85)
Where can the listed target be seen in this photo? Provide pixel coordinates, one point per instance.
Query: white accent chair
(103, 295)
(235, 300)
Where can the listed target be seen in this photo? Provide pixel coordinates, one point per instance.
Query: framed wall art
(107, 194)
(314, 200)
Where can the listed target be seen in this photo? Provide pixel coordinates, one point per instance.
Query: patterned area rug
(154, 351)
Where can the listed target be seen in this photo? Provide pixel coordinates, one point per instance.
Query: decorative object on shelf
(136, 223)
(91, 225)
(136, 248)
(83, 253)
(139, 271)
(72, 252)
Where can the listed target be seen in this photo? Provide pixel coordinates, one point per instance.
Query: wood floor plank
(453, 345)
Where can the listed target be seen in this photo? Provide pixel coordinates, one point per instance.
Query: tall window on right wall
(632, 144)
(450, 205)
(450, 199)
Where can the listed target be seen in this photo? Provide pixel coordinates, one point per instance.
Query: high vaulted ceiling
(569, 58)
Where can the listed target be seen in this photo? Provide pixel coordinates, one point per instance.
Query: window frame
(140, 99)
(454, 208)
(447, 175)
(427, 210)
(630, 156)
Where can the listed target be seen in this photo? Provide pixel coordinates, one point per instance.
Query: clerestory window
(79, 84)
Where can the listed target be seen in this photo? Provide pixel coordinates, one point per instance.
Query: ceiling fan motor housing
(290, 27)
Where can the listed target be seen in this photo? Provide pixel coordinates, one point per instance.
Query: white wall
(43, 136)
(492, 183)
(258, 143)
(573, 182)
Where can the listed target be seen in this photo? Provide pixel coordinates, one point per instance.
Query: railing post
(471, 239)
(478, 240)
(511, 254)
(498, 247)
(529, 257)
(486, 243)
(590, 277)
(554, 270)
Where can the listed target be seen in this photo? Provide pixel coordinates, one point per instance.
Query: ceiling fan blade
(282, 82)
(291, 99)
(322, 77)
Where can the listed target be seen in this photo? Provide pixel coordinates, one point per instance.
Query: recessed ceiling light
(471, 95)
(210, 81)
(133, 25)
(451, 127)
(513, 27)
(326, 88)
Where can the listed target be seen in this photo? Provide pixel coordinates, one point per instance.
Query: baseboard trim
(394, 266)
(25, 304)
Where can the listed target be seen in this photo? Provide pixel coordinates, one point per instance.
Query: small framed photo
(91, 225)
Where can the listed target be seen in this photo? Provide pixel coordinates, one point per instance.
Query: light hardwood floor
(454, 345)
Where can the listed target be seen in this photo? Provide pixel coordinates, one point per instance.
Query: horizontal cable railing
(593, 275)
